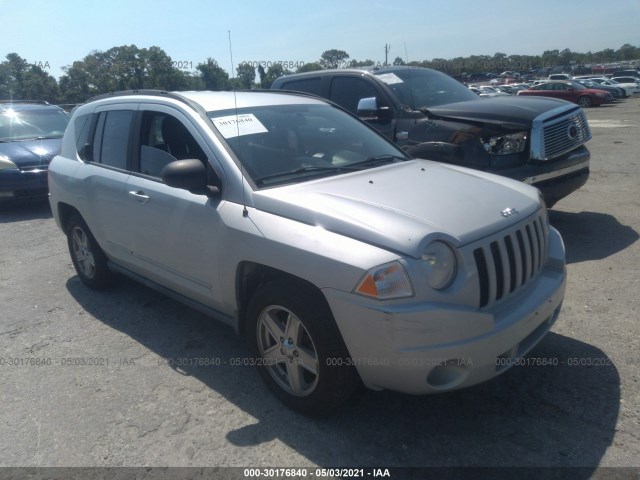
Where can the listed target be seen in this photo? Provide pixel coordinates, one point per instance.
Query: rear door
(106, 172)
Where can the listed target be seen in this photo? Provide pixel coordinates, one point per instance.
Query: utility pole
(386, 54)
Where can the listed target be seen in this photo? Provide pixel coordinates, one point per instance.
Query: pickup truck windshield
(423, 88)
(279, 144)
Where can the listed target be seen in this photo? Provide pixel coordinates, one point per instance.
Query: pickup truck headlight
(441, 264)
(385, 282)
(505, 144)
(6, 164)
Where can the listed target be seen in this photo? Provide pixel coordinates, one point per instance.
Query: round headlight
(442, 266)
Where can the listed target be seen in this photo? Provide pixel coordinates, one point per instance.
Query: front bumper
(23, 183)
(559, 177)
(422, 348)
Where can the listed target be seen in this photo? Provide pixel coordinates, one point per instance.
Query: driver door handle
(139, 196)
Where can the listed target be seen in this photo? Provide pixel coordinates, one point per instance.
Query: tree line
(128, 67)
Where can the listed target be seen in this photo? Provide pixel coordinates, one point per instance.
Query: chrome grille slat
(507, 263)
(550, 133)
(535, 253)
(517, 254)
(506, 271)
(491, 272)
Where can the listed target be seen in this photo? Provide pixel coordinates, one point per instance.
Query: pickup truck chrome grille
(558, 131)
(508, 262)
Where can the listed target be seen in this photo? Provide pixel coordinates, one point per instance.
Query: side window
(347, 91)
(82, 126)
(163, 139)
(111, 142)
(308, 85)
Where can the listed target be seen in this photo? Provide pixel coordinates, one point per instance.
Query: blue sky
(55, 33)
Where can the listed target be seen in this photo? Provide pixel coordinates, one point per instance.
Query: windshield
(31, 124)
(418, 88)
(279, 144)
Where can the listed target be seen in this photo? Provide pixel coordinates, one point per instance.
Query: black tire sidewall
(337, 378)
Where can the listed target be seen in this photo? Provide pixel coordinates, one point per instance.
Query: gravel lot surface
(86, 377)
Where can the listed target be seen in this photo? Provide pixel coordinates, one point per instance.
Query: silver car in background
(342, 260)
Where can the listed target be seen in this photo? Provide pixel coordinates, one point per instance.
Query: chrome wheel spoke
(270, 322)
(295, 378)
(292, 328)
(308, 360)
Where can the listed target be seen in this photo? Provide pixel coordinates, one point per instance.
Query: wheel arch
(65, 211)
(251, 275)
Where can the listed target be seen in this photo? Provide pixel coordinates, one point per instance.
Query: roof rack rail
(148, 92)
(152, 92)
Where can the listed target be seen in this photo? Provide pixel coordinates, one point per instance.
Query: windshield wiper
(351, 167)
(309, 169)
(377, 160)
(41, 137)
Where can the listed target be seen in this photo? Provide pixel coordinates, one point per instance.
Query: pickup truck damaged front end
(546, 150)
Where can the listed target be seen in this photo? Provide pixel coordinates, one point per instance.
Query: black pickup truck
(539, 141)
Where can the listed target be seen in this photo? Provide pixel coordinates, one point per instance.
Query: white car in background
(631, 82)
(629, 88)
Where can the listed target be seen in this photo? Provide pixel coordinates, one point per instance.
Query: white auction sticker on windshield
(390, 78)
(238, 125)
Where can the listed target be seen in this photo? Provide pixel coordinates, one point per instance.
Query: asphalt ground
(129, 377)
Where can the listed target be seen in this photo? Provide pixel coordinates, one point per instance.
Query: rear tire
(298, 348)
(88, 258)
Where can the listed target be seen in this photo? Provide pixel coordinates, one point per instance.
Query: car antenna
(406, 56)
(245, 212)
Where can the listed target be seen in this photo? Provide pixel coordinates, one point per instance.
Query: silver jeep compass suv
(341, 259)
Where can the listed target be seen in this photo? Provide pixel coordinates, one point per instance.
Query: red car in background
(570, 91)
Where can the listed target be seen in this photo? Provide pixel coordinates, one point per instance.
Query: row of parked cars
(364, 240)
(585, 90)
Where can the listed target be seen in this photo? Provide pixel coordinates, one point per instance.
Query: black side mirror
(189, 175)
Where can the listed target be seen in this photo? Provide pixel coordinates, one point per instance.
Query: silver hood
(403, 206)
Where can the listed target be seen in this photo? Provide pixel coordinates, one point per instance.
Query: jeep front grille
(558, 131)
(508, 262)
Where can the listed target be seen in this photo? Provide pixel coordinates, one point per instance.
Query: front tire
(298, 348)
(88, 258)
(584, 102)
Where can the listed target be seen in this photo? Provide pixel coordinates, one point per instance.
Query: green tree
(213, 76)
(309, 67)
(246, 75)
(120, 68)
(628, 52)
(21, 80)
(333, 58)
(274, 71)
(398, 61)
(364, 63)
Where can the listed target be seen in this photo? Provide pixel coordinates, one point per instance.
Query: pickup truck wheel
(298, 349)
(88, 258)
(584, 102)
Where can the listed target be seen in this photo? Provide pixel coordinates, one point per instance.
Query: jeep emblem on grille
(572, 131)
(508, 212)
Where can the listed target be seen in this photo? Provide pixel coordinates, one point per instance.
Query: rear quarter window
(82, 130)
